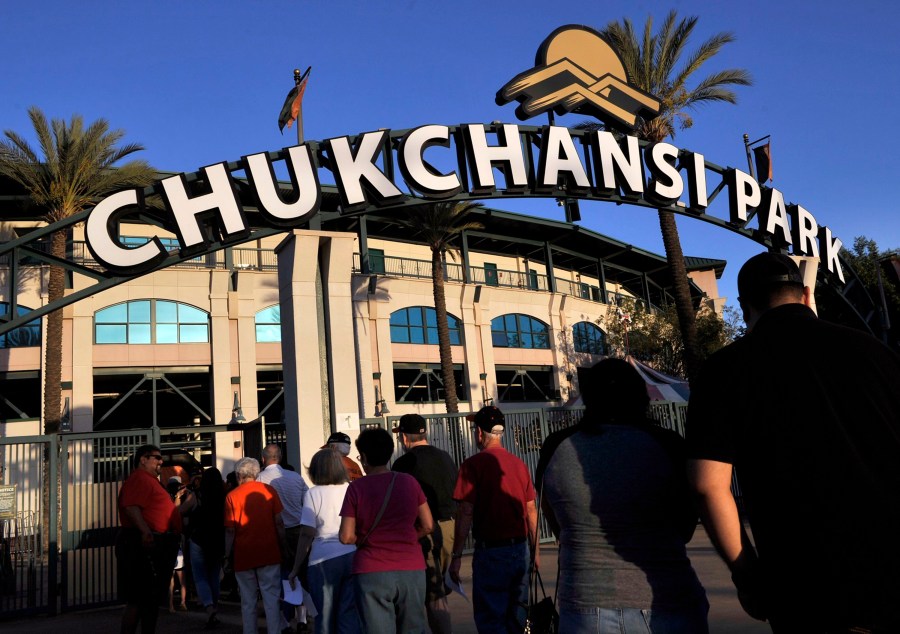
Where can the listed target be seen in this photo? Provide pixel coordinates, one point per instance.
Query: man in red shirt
(254, 536)
(148, 542)
(497, 500)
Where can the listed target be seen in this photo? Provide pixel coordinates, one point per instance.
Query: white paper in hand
(294, 596)
(455, 587)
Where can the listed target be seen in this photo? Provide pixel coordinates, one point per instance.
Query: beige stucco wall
(359, 326)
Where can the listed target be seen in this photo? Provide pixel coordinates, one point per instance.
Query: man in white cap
(340, 442)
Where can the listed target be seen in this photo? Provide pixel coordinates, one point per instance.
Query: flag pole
(747, 145)
(297, 75)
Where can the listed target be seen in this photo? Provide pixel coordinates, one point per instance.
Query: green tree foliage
(656, 340)
(661, 63)
(74, 167)
(437, 225)
(873, 267)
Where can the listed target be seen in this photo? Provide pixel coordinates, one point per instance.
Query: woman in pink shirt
(384, 514)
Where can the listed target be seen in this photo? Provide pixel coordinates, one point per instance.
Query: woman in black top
(207, 540)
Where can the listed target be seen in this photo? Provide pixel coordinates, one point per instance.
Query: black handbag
(542, 615)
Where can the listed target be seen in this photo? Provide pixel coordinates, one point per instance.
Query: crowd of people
(805, 414)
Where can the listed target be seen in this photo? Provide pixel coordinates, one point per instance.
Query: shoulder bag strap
(387, 497)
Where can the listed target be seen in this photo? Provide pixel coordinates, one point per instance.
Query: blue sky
(202, 82)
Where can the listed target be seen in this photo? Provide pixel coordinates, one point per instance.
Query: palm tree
(437, 224)
(74, 170)
(652, 63)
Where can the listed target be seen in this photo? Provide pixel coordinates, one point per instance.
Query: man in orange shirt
(148, 542)
(255, 538)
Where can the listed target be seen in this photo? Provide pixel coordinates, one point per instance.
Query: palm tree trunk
(440, 309)
(681, 290)
(53, 345)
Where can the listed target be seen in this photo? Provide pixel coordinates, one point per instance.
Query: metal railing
(91, 467)
(487, 276)
(28, 553)
(525, 433)
(235, 258)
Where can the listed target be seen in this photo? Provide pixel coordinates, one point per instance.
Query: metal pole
(297, 74)
(749, 159)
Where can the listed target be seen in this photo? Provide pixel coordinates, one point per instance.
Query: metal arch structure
(854, 298)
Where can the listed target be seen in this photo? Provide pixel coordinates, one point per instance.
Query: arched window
(519, 331)
(268, 325)
(26, 335)
(151, 321)
(418, 324)
(587, 337)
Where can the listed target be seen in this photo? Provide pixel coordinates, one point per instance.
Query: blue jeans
(500, 588)
(333, 592)
(392, 602)
(206, 575)
(632, 621)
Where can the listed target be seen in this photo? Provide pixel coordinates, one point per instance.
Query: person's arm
(134, 514)
(229, 548)
(185, 501)
(531, 515)
(347, 533)
(424, 522)
(464, 512)
(282, 539)
(712, 482)
(304, 542)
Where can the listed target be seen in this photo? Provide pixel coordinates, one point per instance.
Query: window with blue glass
(519, 331)
(170, 244)
(148, 321)
(26, 335)
(588, 338)
(418, 324)
(268, 325)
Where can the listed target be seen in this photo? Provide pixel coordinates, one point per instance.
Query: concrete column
(81, 405)
(363, 332)
(336, 262)
(220, 348)
(305, 402)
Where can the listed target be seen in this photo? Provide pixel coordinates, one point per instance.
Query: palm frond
(78, 165)
(652, 63)
(438, 223)
(706, 51)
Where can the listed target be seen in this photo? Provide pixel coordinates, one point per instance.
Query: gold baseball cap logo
(577, 71)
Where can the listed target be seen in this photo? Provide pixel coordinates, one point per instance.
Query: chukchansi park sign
(575, 71)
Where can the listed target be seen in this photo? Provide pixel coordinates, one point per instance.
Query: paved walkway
(725, 615)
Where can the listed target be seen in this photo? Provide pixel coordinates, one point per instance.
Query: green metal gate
(28, 503)
(94, 465)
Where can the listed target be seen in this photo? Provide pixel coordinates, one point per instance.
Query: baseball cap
(764, 272)
(410, 424)
(174, 480)
(489, 419)
(338, 437)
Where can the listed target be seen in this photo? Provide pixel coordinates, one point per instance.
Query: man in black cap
(808, 414)
(436, 473)
(340, 442)
(497, 501)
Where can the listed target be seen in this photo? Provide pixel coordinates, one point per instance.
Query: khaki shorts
(436, 548)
